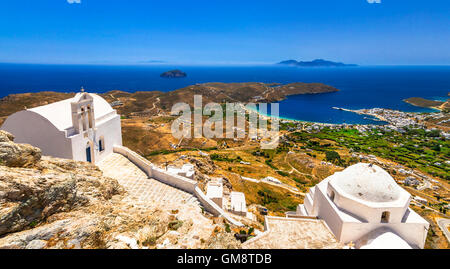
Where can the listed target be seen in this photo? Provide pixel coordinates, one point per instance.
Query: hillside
(422, 102)
(153, 102)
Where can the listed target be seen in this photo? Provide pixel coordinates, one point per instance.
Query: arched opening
(90, 118)
(88, 152)
(101, 144)
(385, 217)
(83, 119)
(332, 196)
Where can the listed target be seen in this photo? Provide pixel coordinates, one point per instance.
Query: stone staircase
(139, 186)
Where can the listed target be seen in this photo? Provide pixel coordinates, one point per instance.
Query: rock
(204, 165)
(18, 155)
(6, 137)
(223, 241)
(173, 74)
(226, 183)
(131, 242)
(36, 244)
(46, 187)
(34, 204)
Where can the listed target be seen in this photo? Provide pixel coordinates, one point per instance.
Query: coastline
(268, 116)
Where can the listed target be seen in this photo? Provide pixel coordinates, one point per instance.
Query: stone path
(139, 186)
(144, 192)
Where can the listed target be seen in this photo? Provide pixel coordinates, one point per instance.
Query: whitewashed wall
(110, 129)
(39, 132)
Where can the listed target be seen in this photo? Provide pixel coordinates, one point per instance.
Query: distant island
(173, 74)
(152, 62)
(315, 63)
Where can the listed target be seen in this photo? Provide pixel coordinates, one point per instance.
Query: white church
(364, 206)
(82, 128)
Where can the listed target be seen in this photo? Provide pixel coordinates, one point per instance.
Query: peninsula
(422, 102)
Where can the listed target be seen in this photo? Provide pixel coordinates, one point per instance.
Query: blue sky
(224, 32)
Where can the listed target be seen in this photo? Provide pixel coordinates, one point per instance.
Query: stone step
(138, 185)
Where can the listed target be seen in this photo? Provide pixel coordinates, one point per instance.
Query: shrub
(332, 156)
(175, 225)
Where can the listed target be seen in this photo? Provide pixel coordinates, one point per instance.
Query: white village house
(83, 128)
(364, 205)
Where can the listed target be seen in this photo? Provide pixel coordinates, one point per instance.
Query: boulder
(6, 137)
(17, 155)
(31, 195)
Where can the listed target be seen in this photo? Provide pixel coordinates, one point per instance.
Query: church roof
(60, 113)
(366, 182)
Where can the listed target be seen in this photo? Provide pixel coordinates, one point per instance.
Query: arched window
(90, 118)
(101, 144)
(83, 119)
(385, 217)
(332, 196)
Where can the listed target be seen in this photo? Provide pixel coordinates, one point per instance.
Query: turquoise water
(360, 87)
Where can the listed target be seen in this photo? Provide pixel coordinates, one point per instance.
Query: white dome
(366, 182)
(386, 240)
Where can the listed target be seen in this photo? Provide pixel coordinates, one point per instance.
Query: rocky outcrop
(29, 196)
(204, 165)
(6, 137)
(17, 155)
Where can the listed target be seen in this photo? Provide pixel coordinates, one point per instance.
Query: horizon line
(164, 63)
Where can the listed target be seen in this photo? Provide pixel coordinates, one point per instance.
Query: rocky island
(315, 63)
(173, 74)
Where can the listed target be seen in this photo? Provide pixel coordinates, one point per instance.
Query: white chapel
(364, 205)
(82, 128)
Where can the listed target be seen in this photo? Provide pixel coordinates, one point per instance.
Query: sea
(359, 87)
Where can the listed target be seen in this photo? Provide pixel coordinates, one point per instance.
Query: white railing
(177, 181)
